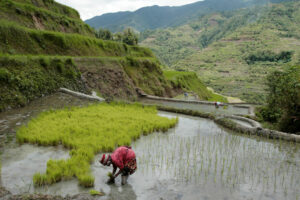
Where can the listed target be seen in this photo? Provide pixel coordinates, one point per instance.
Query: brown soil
(4, 192)
(38, 23)
(110, 81)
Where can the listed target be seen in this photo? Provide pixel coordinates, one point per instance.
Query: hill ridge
(153, 17)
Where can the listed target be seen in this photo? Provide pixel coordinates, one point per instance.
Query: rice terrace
(181, 100)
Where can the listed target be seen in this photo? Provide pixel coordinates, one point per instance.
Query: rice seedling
(96, 193)
(87, 131)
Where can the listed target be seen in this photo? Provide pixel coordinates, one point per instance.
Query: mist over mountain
(162, 17)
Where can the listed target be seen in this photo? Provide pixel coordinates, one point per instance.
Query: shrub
(4, 74)
(283, 103)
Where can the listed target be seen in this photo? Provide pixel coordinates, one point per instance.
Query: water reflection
(122, 193)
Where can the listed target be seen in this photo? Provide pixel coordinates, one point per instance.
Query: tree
(284, 99)
(104, 34)
(129, 37)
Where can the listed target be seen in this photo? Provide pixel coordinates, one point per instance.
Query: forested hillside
(162, 17)
(233, 51)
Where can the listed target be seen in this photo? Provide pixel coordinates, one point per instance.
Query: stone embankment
(238, 105)
(92, 97)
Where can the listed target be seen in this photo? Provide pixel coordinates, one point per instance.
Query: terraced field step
(20, 40)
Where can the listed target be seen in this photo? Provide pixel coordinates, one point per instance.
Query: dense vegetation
(234, 51)
(174, 44)
(40, 39)
(269, 56)
(23, 79)
(283, 108)
(127, 36)
(102, 127)
(16, 39)
(162, 17)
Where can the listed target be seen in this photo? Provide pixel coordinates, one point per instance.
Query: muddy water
(195, 160)
(228, 110)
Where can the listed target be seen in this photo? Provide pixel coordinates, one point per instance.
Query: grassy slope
(114, 69)
(223, 66)
(118, 77)
(231, 38)
(29, 58)
(23, 79)
(188, 81)
(53, 6)
(15, 39)
(174, 44)
(42, 18)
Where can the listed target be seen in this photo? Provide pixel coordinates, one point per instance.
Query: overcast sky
(91, 8)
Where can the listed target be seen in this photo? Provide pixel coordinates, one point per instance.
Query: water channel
(195, 160)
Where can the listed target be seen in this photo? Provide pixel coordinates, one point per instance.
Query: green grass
(23, 78)
(86, 132)
(189, 82)
(147, 75)
(53, 6)
(31, 16)
(15, 39)
(216, 97)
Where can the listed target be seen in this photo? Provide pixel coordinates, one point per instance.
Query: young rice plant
(87, 131)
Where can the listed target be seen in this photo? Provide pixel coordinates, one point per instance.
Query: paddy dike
(195, 160)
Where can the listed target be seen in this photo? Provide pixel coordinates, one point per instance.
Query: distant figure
(122, 158)
(218, 104)
(186, 95)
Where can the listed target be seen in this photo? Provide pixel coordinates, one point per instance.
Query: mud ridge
(224, 120)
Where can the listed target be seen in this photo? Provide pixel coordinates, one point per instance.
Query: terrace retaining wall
(227, 123)
(237, 105)
(92, 97)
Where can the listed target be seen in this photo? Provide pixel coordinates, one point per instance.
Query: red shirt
(121, 156)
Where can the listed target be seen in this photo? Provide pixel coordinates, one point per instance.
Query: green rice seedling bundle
(87, 131)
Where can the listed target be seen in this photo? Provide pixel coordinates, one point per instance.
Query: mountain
(234, 51)
(161, 17)
(173, 44)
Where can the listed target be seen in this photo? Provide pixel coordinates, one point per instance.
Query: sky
(91, 8)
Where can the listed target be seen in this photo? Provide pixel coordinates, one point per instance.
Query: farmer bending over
(122, 158)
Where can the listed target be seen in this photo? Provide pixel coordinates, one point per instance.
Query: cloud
(91, 8)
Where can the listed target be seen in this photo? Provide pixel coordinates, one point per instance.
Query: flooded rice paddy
(195, 160)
